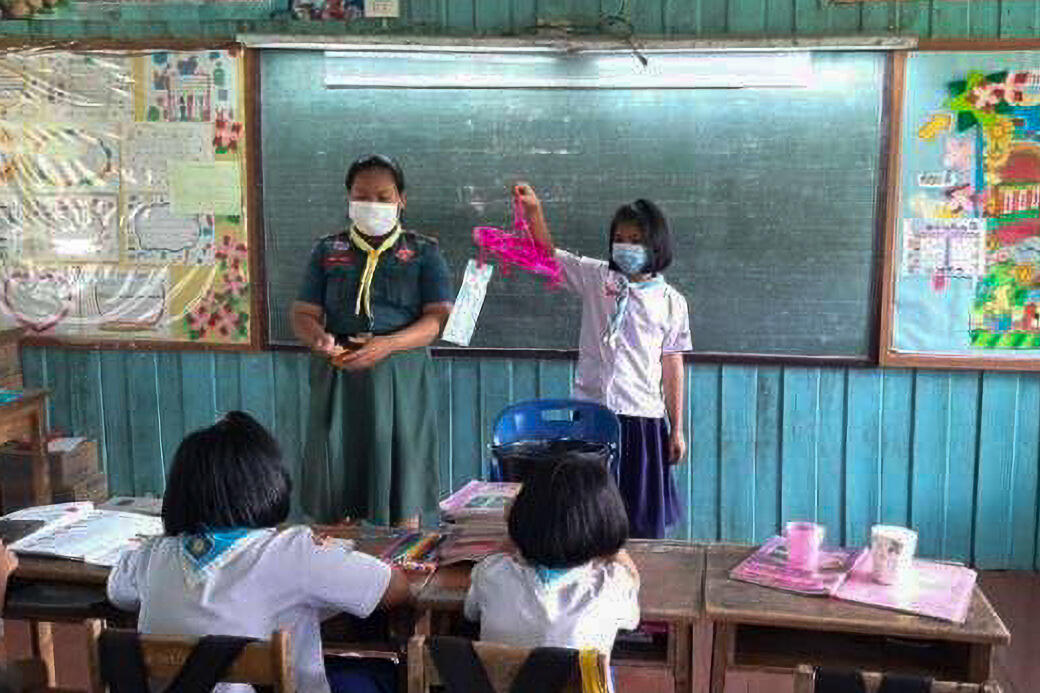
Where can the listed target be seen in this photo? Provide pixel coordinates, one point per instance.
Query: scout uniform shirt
(410, 275)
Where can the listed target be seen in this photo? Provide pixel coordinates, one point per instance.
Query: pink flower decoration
(235, 284)
(986, 96)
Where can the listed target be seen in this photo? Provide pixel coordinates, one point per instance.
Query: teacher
(373, 298)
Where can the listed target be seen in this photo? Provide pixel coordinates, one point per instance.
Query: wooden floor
(1015, 595)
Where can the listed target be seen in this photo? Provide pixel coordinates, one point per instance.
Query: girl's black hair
(229, 475)
(568, 514)
(376, 161)
(656, 236)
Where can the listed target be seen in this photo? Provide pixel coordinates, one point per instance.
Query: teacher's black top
(410, 275)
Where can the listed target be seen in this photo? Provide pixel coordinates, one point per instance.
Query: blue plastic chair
(556, 419)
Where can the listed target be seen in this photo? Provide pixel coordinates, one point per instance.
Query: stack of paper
(80, 532)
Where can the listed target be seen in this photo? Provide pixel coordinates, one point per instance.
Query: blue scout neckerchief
(621, 307)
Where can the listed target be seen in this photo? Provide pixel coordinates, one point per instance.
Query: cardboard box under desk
(66, 468)
(93, 488)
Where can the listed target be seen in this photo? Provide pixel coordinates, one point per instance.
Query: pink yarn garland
(516, 248)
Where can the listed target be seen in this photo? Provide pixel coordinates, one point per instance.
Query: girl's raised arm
(535, 216)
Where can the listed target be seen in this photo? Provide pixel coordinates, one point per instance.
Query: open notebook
(937, 590)
(79, 531)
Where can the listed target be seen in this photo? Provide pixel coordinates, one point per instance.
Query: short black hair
(656, 236)
(567, 514)
(229, 475)
(377, 161)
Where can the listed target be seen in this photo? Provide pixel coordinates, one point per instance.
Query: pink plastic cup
(803, 545)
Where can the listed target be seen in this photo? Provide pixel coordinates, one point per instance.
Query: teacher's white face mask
(374, 218)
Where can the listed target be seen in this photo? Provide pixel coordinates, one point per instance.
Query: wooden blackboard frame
(253, 186)
(891, 46)
(889, 357)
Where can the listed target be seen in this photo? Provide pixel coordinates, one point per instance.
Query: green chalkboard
(772, 193)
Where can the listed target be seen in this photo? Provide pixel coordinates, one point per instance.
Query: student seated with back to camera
(570, 583)
(225, 567)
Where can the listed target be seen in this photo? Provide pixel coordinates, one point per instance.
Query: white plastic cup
(803, 544)
(891, 553)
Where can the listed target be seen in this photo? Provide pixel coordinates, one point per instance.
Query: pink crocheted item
(516, 248)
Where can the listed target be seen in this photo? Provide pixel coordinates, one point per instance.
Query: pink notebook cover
(939, 590)
(480, 498)
(768, 567)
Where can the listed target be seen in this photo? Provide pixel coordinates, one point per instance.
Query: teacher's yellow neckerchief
(365, 288)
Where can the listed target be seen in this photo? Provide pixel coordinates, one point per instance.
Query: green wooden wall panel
(799, 455)
(705, 409)
(954, 454)
(143, 414)
(863, 455)
(737, 453)
(1023, 505)
(996, 471)
(830, 453)
(768, 437)
(1018, 19)
(170, 397)
(118, 450)
(931, 453)
(198, 385)
(896, 461)
(959, 499)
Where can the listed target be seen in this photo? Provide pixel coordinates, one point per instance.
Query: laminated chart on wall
(122, 213)
(967, 280)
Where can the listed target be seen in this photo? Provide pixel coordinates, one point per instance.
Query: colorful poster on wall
(967, 280)
(122, 212)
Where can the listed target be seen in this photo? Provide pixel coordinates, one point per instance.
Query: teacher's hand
(325, 344)
(375, 350)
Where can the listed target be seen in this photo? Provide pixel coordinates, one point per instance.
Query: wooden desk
(766, 629)
(28, 416)
(671, 576)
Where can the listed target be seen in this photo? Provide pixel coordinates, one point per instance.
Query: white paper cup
(891, 553)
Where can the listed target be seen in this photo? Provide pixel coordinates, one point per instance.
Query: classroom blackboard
(772, 193)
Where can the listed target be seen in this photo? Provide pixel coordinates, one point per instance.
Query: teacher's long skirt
(371, 449)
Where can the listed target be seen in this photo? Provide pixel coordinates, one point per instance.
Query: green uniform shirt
(410, 275)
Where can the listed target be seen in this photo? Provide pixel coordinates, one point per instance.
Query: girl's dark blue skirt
(645, 477)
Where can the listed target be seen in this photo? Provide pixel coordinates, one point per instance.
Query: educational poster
(122, 211)
(967, 280)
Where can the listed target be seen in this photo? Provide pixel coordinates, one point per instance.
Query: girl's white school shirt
(582, 608)
(624, 374)
(269, 580)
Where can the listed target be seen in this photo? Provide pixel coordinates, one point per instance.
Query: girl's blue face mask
(629, 257)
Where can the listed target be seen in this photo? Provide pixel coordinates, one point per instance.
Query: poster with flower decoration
(966, 267)
(122, 216)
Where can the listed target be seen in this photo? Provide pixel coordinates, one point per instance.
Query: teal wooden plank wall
(932, 18)
(954, 454)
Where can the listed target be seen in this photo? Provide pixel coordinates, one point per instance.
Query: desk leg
(702, 646)
(41, 478)
(980, 663)
(42, 641)
(723, 643)
(681, 639)
(424, 623)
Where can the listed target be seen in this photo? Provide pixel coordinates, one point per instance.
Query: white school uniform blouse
(582, 608)
(267, 580)
(624, 375)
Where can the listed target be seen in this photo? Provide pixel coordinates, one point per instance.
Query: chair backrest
(501, 662)
(805, 682)
(266, 663)
(557, 419)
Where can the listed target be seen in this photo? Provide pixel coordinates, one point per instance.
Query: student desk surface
(671, 594)
(766, 629)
